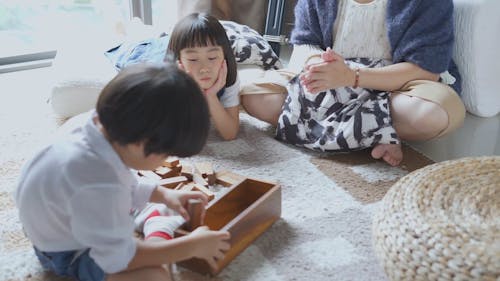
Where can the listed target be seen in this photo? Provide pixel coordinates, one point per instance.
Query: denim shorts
(75, 264)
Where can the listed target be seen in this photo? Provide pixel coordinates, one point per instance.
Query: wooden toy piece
(187, 171)
(197, 178)
(201, 188)
(162, 170)
(187, 187)
(211, 179)
(172, 182)
(179, 186)
(246, 210)
(195, 210)
(149, 174)
(207, 171)
(176, 170)
(228, 178)
(171, 161)
(166, 172)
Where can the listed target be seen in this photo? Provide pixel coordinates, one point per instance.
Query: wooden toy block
(176, 170)
(166, 172)
(248, 209)
(162, 170)
(149, 174)
(187, 171)
(228, 178)
(172, 182)
(207, 171)
(201, 188)
(188, 186)
(171, 161)
(195, 210)
(197, 178)
(211, 179)
(179, 186)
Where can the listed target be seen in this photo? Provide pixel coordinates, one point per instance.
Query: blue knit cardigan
(420, 31)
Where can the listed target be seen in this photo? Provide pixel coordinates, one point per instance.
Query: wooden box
(246, 211)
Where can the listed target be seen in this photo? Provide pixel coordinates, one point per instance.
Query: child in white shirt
(75, 196)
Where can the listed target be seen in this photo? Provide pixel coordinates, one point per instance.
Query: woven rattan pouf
(442, 222)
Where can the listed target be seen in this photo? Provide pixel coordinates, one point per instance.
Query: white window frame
(43, 58)
(142, 9)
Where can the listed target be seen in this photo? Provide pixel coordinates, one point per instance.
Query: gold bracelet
(356, 81)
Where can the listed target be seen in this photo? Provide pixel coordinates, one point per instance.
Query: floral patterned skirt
(341, 119)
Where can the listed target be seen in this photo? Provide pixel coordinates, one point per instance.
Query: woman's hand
(330, 73)
(177, 199)
(219, 83)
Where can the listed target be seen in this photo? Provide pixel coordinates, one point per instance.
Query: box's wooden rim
(248, 209)
(213, 202)
(274, 188)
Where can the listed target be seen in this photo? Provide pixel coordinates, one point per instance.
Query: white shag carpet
(325, 229)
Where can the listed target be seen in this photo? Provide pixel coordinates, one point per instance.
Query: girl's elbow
(228, 136)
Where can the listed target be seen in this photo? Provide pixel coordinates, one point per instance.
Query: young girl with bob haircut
(201, 48)
(74, 197)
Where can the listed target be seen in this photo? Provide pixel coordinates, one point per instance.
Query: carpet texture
(328, 200)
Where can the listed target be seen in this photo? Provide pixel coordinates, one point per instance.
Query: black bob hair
(158, 104)
(201, 30)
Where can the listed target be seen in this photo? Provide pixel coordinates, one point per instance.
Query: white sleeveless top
(360, 30)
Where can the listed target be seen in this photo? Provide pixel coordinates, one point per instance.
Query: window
(164, 14)
(31, 31)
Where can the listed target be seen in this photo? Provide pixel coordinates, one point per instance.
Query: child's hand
(177, 199)
(211, 245)
(219, 83)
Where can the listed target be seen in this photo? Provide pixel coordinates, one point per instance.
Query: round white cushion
(79, 81)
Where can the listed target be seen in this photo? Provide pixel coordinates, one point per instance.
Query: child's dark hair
(201, 30)
(158, 104)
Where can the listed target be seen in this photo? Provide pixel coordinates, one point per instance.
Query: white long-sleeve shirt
(77, 194)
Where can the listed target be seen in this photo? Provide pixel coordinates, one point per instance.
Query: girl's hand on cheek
(220, 82)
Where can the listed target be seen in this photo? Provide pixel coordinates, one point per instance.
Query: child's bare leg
(390, 153)
(266, 107)
(151, 273)
(416, 119)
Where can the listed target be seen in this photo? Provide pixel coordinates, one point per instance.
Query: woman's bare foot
(391, 153)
